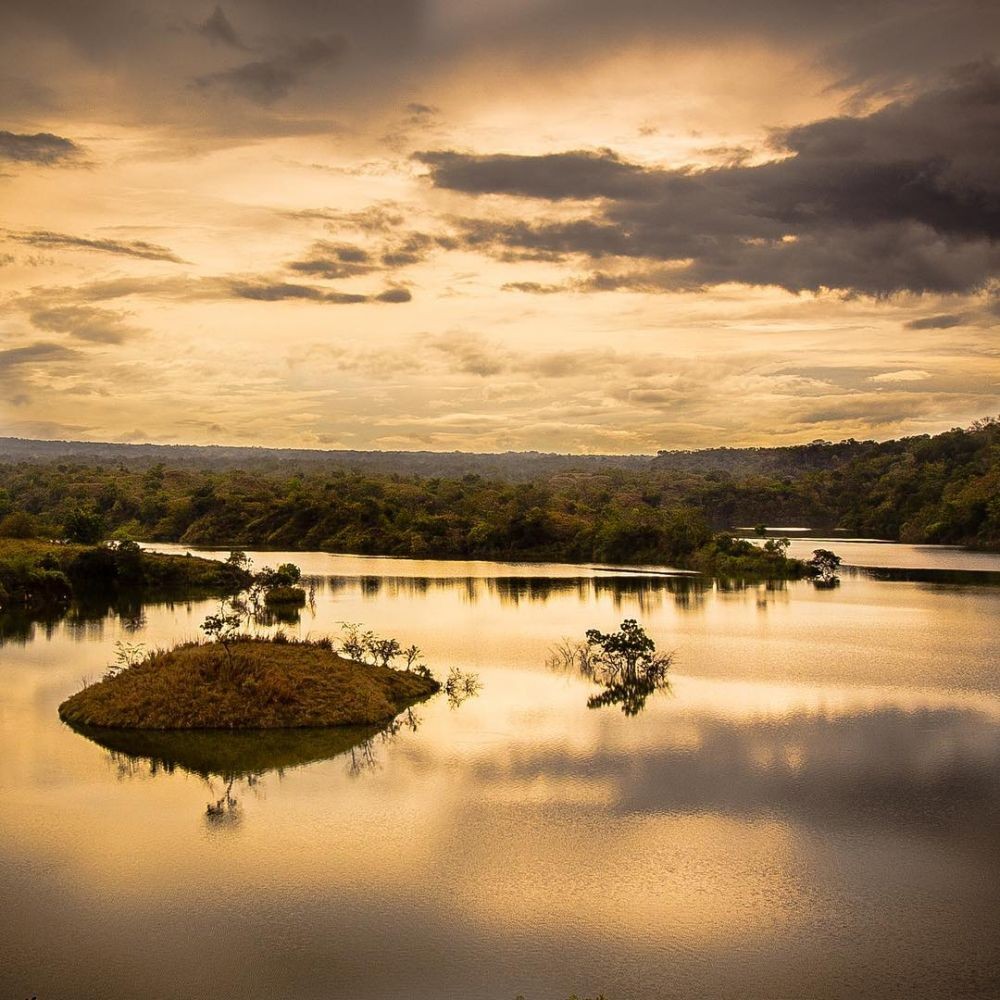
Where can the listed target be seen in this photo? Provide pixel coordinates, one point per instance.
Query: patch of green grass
(254, 684)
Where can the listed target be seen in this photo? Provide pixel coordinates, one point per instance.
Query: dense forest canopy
(663, 509)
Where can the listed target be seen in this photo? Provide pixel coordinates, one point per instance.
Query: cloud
(555, 176)
(218, 29)
(473, 354)
(904, 199)
(383, 217)
(37, 353)
(334, 260)
(263, 290)
(85, 323)
(264, 81)
(62, 241)
(532, 287)
(126, 57)
(904, 375)
(944, 321)
(871, 47)
(394, 295)
(42, 148)
(470, 354)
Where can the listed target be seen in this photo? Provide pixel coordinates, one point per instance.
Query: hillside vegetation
(36, 574)
(669, 509)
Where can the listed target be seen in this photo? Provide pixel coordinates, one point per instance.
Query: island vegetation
(247, 682)
(242, 679)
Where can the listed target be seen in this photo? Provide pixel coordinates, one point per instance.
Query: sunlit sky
(563, 225)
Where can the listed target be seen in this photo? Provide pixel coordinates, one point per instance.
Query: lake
(811, 811)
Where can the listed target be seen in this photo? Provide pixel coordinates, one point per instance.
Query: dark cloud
(944, 321)
(62, 241)
(532, 287)
(872, 45)
(267, 80)
(394, 295)
(263, 290)
(335, 260)
(35, 354)
(907, 198)
(43, 148)
(85, 323)
(556, 176)
(218, 29)
(128, 55)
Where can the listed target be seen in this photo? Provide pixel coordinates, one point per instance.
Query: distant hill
(515, 466)
(512, 465)
(790, 460)
(611, 508)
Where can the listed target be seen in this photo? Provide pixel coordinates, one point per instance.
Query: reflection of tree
(631, 695)
(645, 589)
(225, 809)
(461, 686)
(363, 755)
(240, 760)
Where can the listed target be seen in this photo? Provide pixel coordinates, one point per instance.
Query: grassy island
(250, 683)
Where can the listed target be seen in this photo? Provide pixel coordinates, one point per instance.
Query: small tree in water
(627, 665)
(824, 565)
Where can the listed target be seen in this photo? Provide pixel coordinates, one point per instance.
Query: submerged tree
(625, 663)
(824, 565)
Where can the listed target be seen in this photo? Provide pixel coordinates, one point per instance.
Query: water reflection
(238, 761)
(933, 772)
(814, 813)
(648, 593)
(86, 616)
(512, 591)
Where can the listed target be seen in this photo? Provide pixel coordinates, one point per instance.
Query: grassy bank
(252, 684)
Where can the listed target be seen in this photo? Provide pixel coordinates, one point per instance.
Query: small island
(248, 683)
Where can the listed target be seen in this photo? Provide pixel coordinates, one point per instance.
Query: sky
(555, 225)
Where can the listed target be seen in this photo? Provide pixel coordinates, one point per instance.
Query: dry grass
(263, 685)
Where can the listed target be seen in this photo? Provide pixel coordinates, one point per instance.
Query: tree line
(944, 488)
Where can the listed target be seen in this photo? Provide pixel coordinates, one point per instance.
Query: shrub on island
(285, 595)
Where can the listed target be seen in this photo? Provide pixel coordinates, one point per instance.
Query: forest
(675, 508)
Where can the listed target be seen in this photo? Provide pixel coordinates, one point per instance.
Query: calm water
(812, 811)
